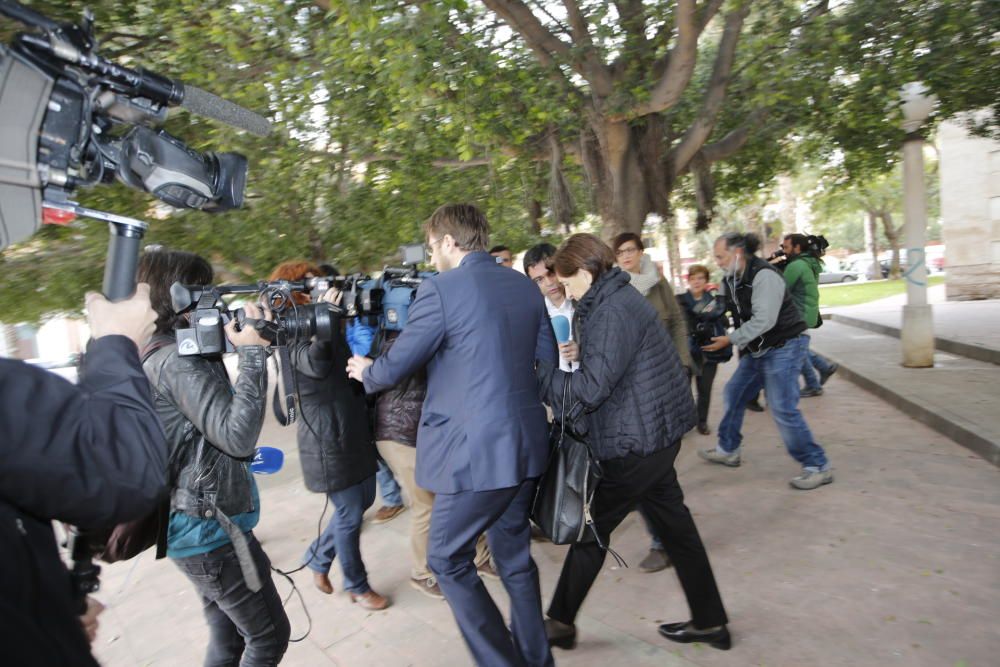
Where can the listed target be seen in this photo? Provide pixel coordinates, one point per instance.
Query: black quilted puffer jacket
(631, 394)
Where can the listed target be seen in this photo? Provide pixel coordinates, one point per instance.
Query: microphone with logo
(267, 460)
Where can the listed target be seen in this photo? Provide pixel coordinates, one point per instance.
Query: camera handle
(119, 284)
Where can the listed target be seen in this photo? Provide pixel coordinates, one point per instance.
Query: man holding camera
(772, 348)
(482, 441)
(91, 455)
(802, 269)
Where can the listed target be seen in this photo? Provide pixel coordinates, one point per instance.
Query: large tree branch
(679, 66)
(708, 12)
(729, 145)
(548, 48)
(699, 131)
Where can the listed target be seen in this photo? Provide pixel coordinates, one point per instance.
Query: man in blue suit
(483, 439)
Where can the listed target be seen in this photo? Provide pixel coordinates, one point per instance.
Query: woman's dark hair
(750, 242)
(583, 251)
(624, 238)
(538, 253)
(163, 268)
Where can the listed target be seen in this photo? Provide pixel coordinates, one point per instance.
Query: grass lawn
(852, 294)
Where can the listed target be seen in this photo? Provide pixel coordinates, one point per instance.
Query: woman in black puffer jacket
(336, 449)
(631, 402)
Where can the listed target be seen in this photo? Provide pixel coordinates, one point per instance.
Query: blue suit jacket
(479, 329)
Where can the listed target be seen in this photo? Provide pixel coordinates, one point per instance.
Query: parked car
(830, 275)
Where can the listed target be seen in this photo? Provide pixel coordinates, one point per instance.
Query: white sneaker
(713, 455)
(809, 480)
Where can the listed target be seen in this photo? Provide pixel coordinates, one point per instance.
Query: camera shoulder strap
(287, 386)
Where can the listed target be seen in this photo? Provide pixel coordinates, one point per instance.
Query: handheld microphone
(267, 460)
(560, 325)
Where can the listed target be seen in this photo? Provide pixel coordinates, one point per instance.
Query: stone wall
(970, 210)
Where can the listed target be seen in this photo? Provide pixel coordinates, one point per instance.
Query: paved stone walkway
(896, 563)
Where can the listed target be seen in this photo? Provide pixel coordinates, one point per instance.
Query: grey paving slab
(959, 397)
(895, 563)
(966, 328)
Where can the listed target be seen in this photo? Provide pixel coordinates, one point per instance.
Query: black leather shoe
(685, 633)
(755, 406)
(560, 635)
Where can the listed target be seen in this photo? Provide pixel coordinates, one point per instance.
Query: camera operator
(802, 277)
(91, 455)
(336, 448)
(769, 334)
(214, 502)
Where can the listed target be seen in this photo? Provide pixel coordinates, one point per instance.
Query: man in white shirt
(536, 267)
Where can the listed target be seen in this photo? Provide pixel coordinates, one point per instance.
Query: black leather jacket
(215, 423)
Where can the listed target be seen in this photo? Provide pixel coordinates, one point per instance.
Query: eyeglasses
(430, 245)
(631, 250)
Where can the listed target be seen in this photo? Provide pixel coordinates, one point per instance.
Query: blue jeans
(388, 486)
(244, 628)
(342, 536)
(778, 370)
(813, 361)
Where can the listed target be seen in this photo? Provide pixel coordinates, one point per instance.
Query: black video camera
(73, 119)
(359, 294)
(206, 334)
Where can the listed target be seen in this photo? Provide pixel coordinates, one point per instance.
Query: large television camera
(206, 335)
(72, 119)
(384, 301)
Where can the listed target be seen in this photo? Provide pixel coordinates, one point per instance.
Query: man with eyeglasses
(482, 442)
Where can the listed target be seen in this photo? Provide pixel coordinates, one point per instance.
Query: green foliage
(376, 104)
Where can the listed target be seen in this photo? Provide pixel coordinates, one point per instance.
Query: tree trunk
(612, 161)
(892, 234)
(871, 245)
(535, 216)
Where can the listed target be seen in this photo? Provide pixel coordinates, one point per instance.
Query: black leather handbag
(562, 501)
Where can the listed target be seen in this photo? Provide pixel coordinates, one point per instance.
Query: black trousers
(703, 383)
(652, 481)
(245, 629)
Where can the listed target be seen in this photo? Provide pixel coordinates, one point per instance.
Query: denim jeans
(388, 486)
(342, 536)
(778, 369)
(813, 361)
(245, 628)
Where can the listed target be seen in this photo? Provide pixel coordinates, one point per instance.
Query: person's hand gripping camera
(249, 331)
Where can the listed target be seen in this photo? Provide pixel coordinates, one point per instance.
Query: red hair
(294, 271)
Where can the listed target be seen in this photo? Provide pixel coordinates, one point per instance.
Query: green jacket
(802, 278)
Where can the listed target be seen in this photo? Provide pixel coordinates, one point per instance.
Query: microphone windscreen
(560, 325)
(267, 460)
(212, 106)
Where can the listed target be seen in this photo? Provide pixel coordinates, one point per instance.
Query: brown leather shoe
(371, 601)
(388, 513)
(322, 582)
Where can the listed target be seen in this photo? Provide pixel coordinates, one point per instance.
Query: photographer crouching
(212, 428)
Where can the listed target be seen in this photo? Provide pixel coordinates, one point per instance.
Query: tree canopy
(540, 112)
